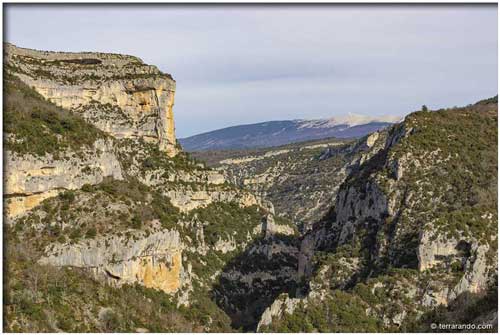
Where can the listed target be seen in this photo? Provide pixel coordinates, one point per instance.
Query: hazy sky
(243, 64)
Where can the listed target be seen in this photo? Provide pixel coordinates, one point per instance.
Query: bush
(75, 234)
(109, 319)
(91, 233)
(136, 222)
(456, 266)
(148, 163)
(87, 188)
(67, 196)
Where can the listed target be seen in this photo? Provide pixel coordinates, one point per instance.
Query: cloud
(240, 64)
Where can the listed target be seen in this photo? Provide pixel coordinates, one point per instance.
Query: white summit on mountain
(275, 133)
(349, 120)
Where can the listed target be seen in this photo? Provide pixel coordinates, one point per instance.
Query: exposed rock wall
(413, 226)
(253, 279)
(118, 94)
(187, 200)
(31, 179)
(271, 228)
(283, 304)
(301, 179)
(368, 207)
(155, 260)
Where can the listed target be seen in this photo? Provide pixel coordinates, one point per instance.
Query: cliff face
(301, 179)
(118, 94)
(253, 279)
(154, 260)
(412, 228)
(113, 228)
(30, 179)
(96, 186)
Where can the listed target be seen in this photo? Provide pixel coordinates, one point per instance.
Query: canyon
(111, 226)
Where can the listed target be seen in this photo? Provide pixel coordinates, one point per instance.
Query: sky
(243, 64)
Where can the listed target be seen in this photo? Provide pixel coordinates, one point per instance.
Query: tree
(136, 222)
(424, 108)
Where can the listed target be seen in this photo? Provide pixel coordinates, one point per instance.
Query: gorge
(112, 227)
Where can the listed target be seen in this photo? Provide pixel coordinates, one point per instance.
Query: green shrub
(67, 196)
(87, 188)
(91, 233)
(110, 320)
(456, 266)
(75, 234)
(136, 222)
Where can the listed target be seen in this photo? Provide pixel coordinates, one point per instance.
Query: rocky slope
(413, 228)
(118, 94)
(115, 203)
(111, 227)
(276, 133)
(301, 179)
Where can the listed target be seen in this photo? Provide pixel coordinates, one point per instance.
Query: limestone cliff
(252, 280)
(300, 179)
(412, 228)
(118, 94)
(112, 228)
(30, 179)
(95, 182)
(154, 260)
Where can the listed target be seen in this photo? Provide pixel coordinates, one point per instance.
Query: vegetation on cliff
(42, 298)
(413, 226)
(340, 312)
(34, 125)
(438, 177)
(300, 179)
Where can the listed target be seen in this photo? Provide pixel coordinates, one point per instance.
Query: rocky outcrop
(301, 179)
(198, 176)
(118, 94)
(251, 282)
(154, 261)
(31, 179)
(270, 227)
(187, 199)
(434, 250)
(413, 206)
(283, 304)
(472, 257)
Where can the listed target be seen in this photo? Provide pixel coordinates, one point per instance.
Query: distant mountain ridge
(274, 133)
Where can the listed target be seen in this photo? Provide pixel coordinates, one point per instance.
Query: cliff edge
(119, 94)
